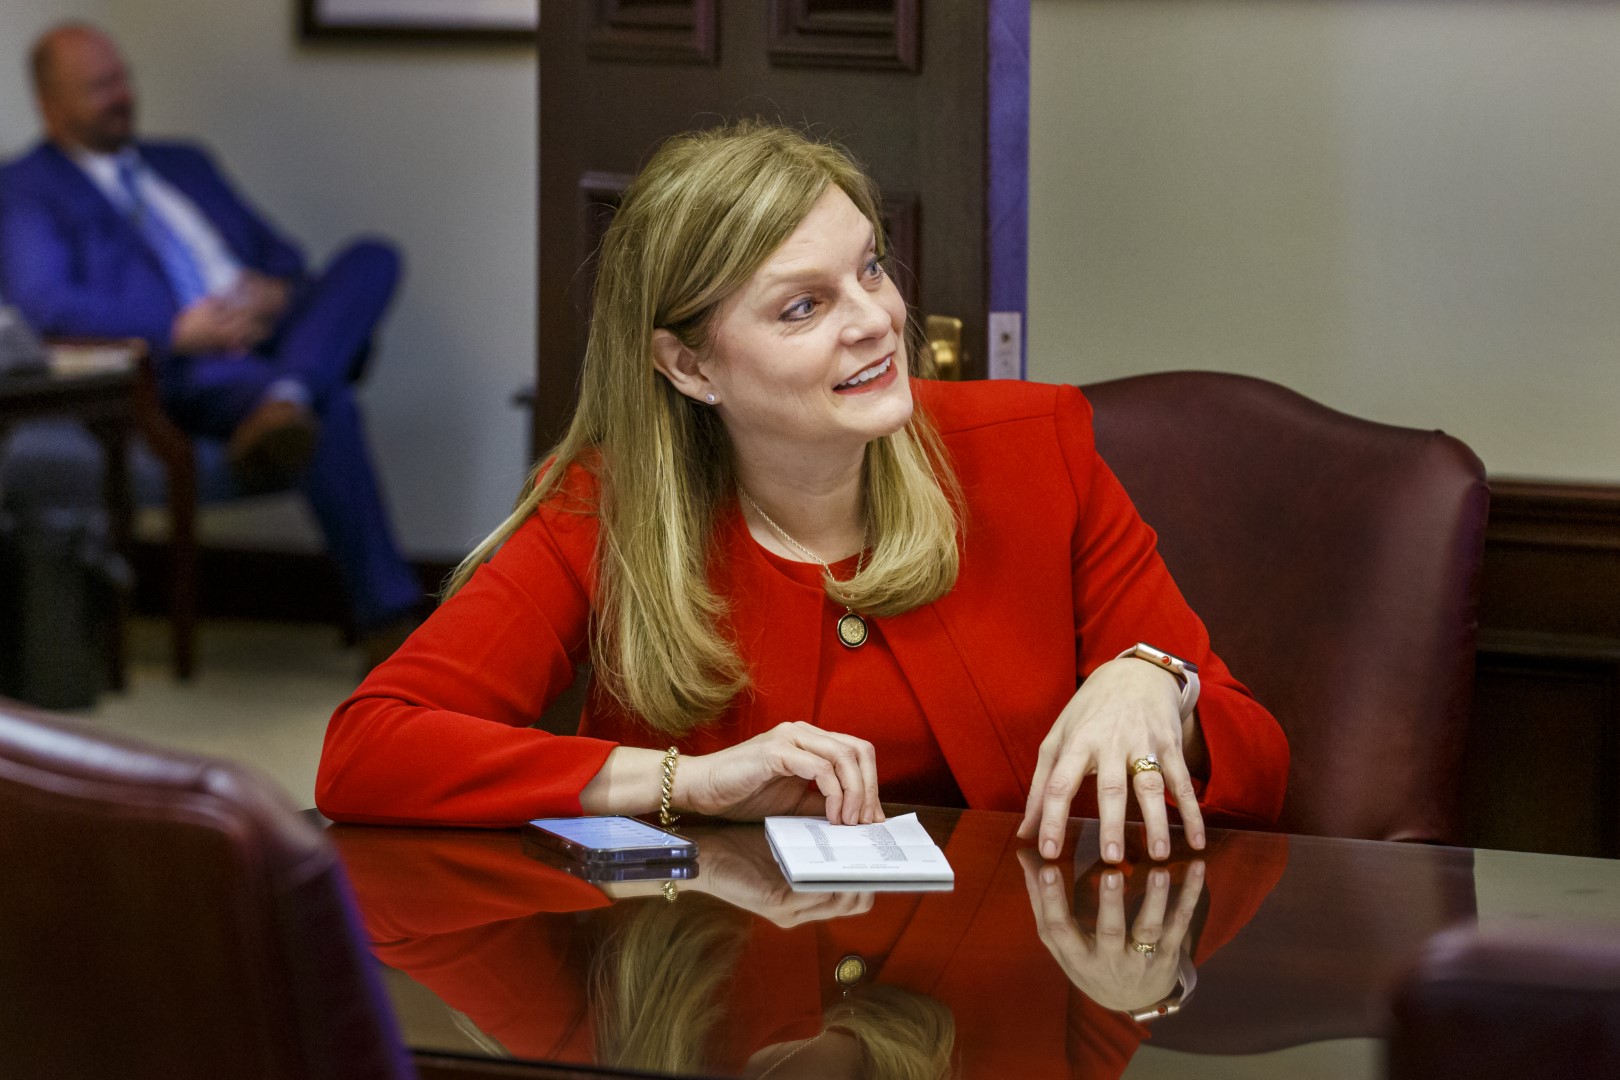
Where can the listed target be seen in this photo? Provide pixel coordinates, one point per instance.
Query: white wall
(1410, 211)
(1406, 210)
(432, 147)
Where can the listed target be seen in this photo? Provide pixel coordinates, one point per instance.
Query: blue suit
(73, 264)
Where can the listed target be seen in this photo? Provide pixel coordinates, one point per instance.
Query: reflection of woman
(657, 998)
(538, 961)
(791, 563)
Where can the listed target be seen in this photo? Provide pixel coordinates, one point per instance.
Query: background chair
(1335, 562)
(171, 916)
(57, 463)
(1494, 1004)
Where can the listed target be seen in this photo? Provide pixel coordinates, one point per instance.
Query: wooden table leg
(113, 435)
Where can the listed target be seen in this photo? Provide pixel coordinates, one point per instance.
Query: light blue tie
(179, 265)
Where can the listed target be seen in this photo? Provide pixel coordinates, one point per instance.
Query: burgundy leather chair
(1335, 562)
(1494, 1004)
(171, 916)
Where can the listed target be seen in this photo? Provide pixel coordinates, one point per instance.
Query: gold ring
(1148, 763)
(1144, 947)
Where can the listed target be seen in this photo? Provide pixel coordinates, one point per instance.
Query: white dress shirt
(219, 268)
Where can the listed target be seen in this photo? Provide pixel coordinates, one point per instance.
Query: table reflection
(1015, 971)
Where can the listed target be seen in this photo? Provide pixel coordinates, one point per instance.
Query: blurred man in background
(104, 235)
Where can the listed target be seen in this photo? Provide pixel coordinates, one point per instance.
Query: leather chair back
(1335, 562)
(1501, 1003)
(168, 915)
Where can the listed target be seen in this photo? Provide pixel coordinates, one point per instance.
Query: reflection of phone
(613, 840)
(608, 873)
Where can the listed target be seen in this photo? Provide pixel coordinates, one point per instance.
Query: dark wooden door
(934, 102)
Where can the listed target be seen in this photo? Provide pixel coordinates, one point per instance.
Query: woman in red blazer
(802, 576)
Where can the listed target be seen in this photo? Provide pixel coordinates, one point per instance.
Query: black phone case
(682, 870)
(653, 853)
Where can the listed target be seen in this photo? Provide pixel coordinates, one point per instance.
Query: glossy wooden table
(492, 954)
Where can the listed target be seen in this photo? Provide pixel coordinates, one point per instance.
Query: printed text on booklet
(896, 850)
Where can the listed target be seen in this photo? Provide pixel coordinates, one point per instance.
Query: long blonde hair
(657, 984)
(656, 981)
(704, 214)
(903, 1035)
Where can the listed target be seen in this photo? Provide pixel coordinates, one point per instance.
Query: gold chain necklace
(779, 1062)
(850, 970)
(852, 629)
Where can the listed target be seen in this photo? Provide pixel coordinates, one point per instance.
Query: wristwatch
(1186, 980)
(1185, 671)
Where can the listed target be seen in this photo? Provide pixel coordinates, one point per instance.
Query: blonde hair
(903, 1035)
(704, 214)
(656, 982)
(656, 994)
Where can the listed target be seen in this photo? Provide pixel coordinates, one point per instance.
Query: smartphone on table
(610, 841)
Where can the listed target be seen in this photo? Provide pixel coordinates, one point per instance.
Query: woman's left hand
(1124, 711)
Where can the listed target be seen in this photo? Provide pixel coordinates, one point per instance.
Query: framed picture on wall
(423, 20)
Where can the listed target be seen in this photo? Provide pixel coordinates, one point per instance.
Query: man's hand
(214, 325)
(263, 297)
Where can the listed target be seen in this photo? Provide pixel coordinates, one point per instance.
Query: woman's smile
(873, 376)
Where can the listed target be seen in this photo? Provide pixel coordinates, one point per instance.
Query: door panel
(934, 104)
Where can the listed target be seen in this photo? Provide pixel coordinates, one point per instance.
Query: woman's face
(810, 353)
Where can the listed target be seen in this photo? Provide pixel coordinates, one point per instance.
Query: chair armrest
(168, 442)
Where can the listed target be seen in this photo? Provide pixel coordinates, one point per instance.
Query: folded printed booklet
(896, 850)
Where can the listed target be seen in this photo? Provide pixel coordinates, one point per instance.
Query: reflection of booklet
(899, 849)
(868, 887)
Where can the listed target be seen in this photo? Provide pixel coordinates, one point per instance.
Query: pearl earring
(709, 398)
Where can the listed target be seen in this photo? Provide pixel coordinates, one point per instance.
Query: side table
(95, 384)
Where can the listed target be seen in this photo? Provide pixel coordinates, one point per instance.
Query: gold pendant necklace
(852, 628)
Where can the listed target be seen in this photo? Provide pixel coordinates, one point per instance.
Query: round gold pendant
(851, 630)
(850, 970)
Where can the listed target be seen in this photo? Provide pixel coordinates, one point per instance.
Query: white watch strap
(1189, 694)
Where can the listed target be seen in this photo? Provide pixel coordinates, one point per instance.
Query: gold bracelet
(665, 818)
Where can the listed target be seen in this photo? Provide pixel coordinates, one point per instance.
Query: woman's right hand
(770, 774)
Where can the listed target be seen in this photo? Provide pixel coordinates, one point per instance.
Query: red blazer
(1058, 575)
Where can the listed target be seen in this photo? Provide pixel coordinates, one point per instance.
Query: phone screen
(610, 839)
